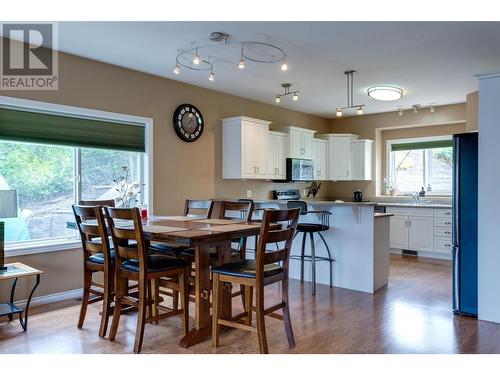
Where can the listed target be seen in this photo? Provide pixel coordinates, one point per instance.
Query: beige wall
(181, 169)
(472, 110)
(372, 126)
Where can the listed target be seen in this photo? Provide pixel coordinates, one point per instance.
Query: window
(421, 162)
(49, 179)
(56, 155)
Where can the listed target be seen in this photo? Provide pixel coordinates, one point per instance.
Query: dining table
(202, 235)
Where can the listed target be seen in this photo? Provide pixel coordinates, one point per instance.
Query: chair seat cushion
(166, 249)
(311, 228)
(156, 263)
(99, 257)
(246, 268)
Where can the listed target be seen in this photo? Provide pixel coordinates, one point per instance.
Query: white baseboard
(51, 298)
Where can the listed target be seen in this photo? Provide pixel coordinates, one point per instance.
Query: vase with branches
(127, 190)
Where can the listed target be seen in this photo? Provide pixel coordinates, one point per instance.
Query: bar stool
(311, 228)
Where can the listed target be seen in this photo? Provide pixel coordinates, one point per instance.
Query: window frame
(426, 175)
(41, 246)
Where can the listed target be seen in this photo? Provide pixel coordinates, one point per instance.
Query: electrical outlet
(304, 193)
(249, 193)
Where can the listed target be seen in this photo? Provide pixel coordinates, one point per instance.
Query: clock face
(188, 122)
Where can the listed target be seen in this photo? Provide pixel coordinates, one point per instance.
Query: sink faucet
(415, 197)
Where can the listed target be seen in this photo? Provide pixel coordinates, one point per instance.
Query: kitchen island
(358, 239)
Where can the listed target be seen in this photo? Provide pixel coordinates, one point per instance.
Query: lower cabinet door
(421, 233)
(399, 232)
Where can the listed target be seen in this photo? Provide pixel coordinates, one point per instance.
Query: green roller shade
(421, 145)
(44, 128)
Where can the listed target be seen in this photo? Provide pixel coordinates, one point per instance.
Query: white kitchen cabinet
(361, 159)
(277, 155)
(339, 155)
(412, 228)
(399, 232)
(420, 233)
(319, 159)
(245, 148)
(300, 142)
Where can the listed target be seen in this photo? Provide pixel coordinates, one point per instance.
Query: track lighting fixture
(286, 87)
(211, 76)
(339, 112)
(400, 112)
(359, 111)
(196, 58)
(432, 109)
(251, 51)
(415, 108)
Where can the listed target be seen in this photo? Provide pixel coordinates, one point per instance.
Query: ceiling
(434, 62)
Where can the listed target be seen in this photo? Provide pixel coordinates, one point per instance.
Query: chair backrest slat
(198, 207)
(243, 208)
(289, 218)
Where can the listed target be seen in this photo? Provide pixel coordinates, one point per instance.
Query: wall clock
(188, 122)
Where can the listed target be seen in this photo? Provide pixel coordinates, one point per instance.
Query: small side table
(16, 271)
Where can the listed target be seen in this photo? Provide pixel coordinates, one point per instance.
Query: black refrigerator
(464, 231)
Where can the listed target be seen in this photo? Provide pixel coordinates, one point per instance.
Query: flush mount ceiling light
(350, 96)
(385, 93)
(286, 87)
(250, 51)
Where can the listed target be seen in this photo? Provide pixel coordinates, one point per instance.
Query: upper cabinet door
(277, 156)
(361, 159)
(295, 149)
(261, 149)
(248, 155)
(307, 145)
(340, 158)
(320, 165)
(245, 148)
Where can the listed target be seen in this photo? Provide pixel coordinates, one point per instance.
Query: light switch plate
(249, 193)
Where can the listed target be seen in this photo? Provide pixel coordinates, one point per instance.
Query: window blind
(421, 145)
(24, 126)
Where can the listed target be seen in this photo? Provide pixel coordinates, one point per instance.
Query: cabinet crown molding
(291, 127)
(245, 118)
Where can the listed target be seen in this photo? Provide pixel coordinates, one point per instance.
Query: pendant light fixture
(350, 96)
(286, 88)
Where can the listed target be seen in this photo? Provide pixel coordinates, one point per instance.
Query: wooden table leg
(226, 307)
(202, 327)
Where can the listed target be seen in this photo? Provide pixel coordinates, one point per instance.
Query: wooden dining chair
(256, 274)
(198, 208)
(242, 209)
(97, 257)
(134, 262)
(99, 202)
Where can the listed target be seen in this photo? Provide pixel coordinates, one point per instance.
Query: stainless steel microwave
(299, 170)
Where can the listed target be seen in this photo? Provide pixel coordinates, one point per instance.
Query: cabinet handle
(447, 232)
(447, 213)
(409, 222)
(406, 223)
(257, 170)
(447, 245)
(447, 222)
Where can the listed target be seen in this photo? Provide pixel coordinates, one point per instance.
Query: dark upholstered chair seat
(156, 263)
(246, 268)
(311, 228)
(166, 249)
(99, 257)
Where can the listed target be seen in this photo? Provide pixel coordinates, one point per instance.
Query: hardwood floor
(411, 315)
